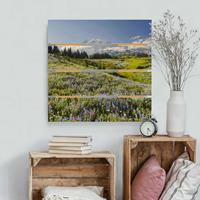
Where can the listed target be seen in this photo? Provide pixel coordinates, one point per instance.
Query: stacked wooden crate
(138, 149)
(96, 169)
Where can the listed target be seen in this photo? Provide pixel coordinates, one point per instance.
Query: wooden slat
(134, 162)
(36, 195)
(143, 154)
(106, 195)
(70, 161)
(127, 168)
(30, 178)
(112, 178)
(191, 148)
(105, 154)
(179, 148)
(167, 154)
(156, 150)
(92, 171)
(159, 138)
(40, 183)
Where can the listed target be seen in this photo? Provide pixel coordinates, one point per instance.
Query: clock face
(147, 128)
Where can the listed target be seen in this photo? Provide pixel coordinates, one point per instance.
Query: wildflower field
(107, 89)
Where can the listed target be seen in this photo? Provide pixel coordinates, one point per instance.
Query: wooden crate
(138, 149)
(96, 169)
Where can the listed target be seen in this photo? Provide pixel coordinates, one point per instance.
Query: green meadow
(89, 89)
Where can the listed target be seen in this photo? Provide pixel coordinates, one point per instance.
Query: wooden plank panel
(127, 169)
(30, 179)
(159, 138)
(166, 149)
(106, 194)
(134, 162)
(112, 178)
(191, 148)
(144, 151)
(70, 161)
(40, 183)
(102, 154)
(155, 149)
(167, 155)
(95, 170)
(81, 170)
(36, 195)
(179, 148)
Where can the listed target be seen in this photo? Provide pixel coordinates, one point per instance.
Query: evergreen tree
(64, 52)
(84, 54)
(56, 50)
(100, 56)
(50, 49)
(78, 55)
(69, 52)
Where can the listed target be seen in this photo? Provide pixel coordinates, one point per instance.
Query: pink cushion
(149, 182)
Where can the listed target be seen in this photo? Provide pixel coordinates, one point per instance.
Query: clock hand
(148, 130)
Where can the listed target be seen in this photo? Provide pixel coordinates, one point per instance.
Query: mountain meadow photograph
(99, 70)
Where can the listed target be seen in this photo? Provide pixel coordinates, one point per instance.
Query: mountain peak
(97, 41)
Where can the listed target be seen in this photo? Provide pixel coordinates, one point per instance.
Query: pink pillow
(149, 182)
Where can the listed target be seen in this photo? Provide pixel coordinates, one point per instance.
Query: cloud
(147, 41)
(140, 39)
(136, 38)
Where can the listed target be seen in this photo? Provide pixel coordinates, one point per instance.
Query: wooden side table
(137, 150)
(96, 169)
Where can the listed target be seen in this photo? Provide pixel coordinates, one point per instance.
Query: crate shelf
(137, 150)
(96, 169)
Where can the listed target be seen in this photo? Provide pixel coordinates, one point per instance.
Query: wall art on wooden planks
(99, 70)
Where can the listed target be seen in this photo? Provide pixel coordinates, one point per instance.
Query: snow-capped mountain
(96, 46)
(101, 46)
(97, 42)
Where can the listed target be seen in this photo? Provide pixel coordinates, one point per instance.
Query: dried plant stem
(175, 49)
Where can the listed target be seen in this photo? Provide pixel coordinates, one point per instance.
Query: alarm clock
(148, 127)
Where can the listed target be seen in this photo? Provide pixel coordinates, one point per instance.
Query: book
(80, 139)
(69, 152)
(72, 148)
(67, 144)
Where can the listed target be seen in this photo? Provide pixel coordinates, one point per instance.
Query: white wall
(23, 82)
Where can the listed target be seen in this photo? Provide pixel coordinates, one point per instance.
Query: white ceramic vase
(176, 114)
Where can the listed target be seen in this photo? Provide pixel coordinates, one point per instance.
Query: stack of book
(70, 145)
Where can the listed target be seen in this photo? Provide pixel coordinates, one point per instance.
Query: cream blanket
(72, 193)
(55, 197)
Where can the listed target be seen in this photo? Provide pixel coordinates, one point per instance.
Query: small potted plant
(175, 48)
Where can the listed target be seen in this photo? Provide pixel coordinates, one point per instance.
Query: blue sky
(115, 31)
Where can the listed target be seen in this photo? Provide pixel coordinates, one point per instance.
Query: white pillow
(176, 165)
(183, 180)
(73, 193)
